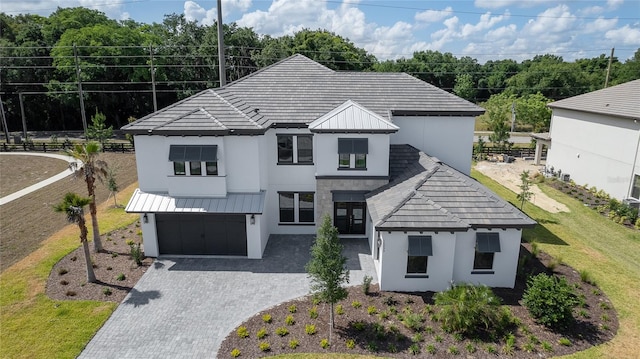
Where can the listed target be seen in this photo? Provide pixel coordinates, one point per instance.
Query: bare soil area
(18, 172)
(508, 175)
(29, 220)
(374, 327)
(115, 270)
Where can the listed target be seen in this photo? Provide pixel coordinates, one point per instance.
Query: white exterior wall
(393, 262)
(242, 163)
(149, 235)
(254, 237)
(326, 154)
(594, 149)
(285, 178)
(448, 138)
(505, 262)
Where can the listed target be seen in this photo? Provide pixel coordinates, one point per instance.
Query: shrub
(264, 346)
(310, 329)
(564, 341)
(121, 277)
(389, 301)
(371, 310)
(242, 332)
(416, 338)
(414, 349)
(114, 254)
(313, 312)
(351, 343)
(282, 331)
(136, 253)
(470, 348)
(491, 349)
(235, 353)
(266, 318)
(366, 284)
(550, 300)
(392, 348)
(535, 250)
(604, 306)
(129, 242)
(431, 349)
(359, 326)
(106, 291)
(262, 333)
(412, 321)
(438, 338)
(453, 350)
(339, 309)
(289, 320)
(372, 346)
(356, 304)
(509, 345)
(293, 308)
(546, 346)
(470, 310)
(293, 343)
(324, 344)
(384, 315)
(529, 347)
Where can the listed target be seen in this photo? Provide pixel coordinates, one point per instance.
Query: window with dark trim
(418, 254)
(195, 168)
(297, 207)
(192, 157)
(295, 149)
(635, 192)
(487, 244)
(179, 168)
(352, 153)
(212, 168)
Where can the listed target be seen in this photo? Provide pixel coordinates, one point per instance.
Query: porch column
(538, 156)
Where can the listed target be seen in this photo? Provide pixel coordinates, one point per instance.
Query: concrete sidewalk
(13, 196)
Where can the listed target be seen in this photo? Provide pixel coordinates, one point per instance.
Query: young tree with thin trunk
(112, 185)
(525, 188)
(91, 170)
(72, 206)
(327, 267)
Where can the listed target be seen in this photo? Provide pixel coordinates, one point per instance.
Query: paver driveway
(185, 307)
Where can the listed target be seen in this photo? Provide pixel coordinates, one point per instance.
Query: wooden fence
(514, 152)
(61, 146)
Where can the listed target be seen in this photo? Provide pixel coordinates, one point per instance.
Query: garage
(202, 234)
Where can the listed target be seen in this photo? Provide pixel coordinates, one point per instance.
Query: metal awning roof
(246, 203)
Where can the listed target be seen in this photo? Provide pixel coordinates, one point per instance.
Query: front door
(349, 217)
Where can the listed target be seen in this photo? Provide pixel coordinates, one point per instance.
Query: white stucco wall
(254, 237)
(242, 162)
(505, 262)
(326, 154)
(594, 149)
(149, 235)
(449, 138)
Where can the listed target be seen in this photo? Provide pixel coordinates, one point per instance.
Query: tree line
(120, 63)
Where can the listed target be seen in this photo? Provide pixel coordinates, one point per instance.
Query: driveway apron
(185, 307)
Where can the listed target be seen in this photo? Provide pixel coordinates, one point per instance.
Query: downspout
(635, 159)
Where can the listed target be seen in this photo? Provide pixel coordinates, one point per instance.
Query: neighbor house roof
(143, 202)
(430, 196)
(619, 101)
(295, 92)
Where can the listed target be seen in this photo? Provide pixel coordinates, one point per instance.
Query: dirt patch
(19, 172)
(382, 333)
(508, 175)
(114, 268)
(29, 220)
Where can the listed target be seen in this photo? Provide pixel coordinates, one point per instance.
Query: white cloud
(599, 25)
(614, 4)
(625, 35)
(496, 4)
(591, 10)
(554, 20)
(433, 15)
(195, 12)
(46, 7)
(486, 22)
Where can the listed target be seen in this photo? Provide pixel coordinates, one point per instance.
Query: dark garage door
(219, 234)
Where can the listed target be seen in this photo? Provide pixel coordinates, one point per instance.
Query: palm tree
(73, 206)
(92, 169)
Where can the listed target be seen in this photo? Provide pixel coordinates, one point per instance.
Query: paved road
(185, 307)
(25, 191)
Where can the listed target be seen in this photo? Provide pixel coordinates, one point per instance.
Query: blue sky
(482, 29)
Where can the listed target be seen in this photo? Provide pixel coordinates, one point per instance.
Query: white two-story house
(274, 152)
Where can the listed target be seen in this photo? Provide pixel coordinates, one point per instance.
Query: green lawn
(585, 240)
(34, 326)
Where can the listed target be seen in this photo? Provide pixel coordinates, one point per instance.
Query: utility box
(566, 177)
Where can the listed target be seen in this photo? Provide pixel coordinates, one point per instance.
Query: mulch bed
(68, 278)
(384, 335)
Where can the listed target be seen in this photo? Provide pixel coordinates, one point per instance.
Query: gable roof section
(433, 196)
(352, 117)
(618, 101)
(296, 91)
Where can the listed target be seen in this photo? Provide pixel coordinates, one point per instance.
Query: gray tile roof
(297, 91)
(429, 195)
(142, 202)
(619, 101)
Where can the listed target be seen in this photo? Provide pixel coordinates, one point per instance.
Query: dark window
(287, 207)
(418, 254)
(179, 168)
(487, 244)
(305, 205)
(344, 160)
(285, 149)
(212, 168)
(361, 160)
(356, 148)
(195, 168)
(305, 149)
(635, 192)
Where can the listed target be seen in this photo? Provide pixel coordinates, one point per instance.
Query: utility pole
(513, 117)
(153, 80)
(606, 80)
(80, 93)
(222, 72)
(4, 121)
(24, 120)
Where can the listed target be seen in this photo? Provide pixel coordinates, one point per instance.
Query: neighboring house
(595, 137)
(275, 151)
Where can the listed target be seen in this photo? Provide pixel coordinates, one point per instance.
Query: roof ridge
(213, 118)
(177, 118)
(236, 109)
(164, 109)
(411, 194)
